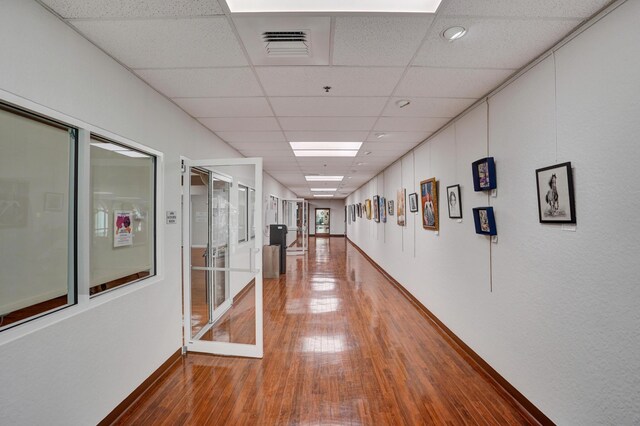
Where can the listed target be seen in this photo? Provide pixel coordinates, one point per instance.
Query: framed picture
(359, 209)
(401, 195)
(390, 205)
(383, 209)
(454, 202)
(556, 202)
(429, 201)
(485, 221)
(484, 174)
(353, 213)
(413, 202)
(53, 201)
(367, 208)
(376, 208)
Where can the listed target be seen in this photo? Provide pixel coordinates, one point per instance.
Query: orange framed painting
(429, 202)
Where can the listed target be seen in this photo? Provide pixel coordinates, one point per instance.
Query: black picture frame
(485, 221)
(376, 208)
(556, 198)
(390, 205)
(484, 174)
(413, 202)
(454, 202)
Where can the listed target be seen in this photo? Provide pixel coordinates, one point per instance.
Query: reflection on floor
(342, 347)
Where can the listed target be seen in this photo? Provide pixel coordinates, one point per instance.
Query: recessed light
(325, 153)
(403, 103)
(325, 145)
(370, 6)
(324, 189)
(454, 33)
(324, 178)
(323, 195)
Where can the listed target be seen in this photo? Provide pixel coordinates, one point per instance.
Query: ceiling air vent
(287, 43)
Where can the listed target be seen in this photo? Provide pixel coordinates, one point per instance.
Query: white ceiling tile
(203, 82)
(240, 124)
(400, 137)
(133, 9)
(492, 43)
(428, 107)
(378, 40)
(326, 136)
(522, 8)
(450, 82)
(326, 123)
(328, 106)
(242, 146)
(344, 81)
(166, 43)
(376, 147)
(265, 154)
(410, 124)
(225, 107)
(235, 138)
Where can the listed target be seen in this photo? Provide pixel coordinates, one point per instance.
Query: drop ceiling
(212, 64)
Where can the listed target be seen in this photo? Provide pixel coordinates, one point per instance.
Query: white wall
(337, 225)
(74, 367)
(562, 323)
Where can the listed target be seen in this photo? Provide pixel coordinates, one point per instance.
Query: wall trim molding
(506, 389)
(141, 390)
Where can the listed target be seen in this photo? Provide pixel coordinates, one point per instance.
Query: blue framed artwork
(484, 174)
(485, 221)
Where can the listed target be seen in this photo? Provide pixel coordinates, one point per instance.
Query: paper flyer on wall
(123, 230)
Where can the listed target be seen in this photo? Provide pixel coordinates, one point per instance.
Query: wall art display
(485, 221)
(454, 201)
(484, 174)
(367, 208)
(123, 228)
(353, 213)
(400, 206)
(556, 202)
(383, 209)
(429, 201)
(53, 201)
(390, 204)
(376, 208)
(413, 202)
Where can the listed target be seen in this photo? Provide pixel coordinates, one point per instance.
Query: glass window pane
(242, 213)
(252, 203)
(122, 223)
(37, 220)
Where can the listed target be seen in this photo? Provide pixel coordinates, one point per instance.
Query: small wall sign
(172, 217)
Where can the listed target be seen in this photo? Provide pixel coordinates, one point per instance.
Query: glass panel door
(323, 218)
(222, 272)
(294, 214)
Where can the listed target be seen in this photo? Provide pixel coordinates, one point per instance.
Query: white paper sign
(172, 217)
(123, 228)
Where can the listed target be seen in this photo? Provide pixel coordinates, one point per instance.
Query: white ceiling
(193, 52)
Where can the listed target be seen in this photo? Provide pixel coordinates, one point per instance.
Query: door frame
(328, 234)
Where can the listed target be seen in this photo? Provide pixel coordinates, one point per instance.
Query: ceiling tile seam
(53, 12)
(516, 18)
(145, 18)
(332, 34)
(255, 73)
(222, 67)
(600, 14)
(464, 68)
(321, 97)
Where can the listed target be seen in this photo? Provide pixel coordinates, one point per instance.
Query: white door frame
(305, 226)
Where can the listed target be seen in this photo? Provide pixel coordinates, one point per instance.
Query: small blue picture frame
(485, 221)
(484, 174)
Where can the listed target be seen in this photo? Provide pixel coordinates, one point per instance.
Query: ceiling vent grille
(287, 43)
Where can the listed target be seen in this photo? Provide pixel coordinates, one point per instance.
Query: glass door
(323, 219)
(222, 264)
(294, 213)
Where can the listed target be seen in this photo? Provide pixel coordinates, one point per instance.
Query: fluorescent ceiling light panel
(386, 6)
(107, 146)
(324, 189)
(323, 195)
(132, 154)
(326, 153)
(325, 145)
(324, 178)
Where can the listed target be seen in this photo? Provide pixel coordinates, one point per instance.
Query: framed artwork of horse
(556, 202)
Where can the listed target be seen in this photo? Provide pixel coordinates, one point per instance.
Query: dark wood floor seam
(533, 413)
(113, 416)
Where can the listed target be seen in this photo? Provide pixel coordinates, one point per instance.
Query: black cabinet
(278, 236)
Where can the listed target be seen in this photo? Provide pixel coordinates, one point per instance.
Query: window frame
(243, 238)
(84, 303)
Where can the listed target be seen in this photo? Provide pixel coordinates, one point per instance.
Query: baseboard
(517, 399)
(242, 293)
(140, 390)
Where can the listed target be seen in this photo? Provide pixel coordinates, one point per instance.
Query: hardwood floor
(342, 347)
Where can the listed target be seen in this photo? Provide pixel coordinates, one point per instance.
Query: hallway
(342, 346)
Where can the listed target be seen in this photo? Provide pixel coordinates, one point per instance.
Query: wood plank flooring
(342, 347)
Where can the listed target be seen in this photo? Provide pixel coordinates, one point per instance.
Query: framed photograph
(353, 213)
(429, 201)
(485, 221)
(413, 202)
(367, 208)
(376, 208)
(484, 174)
(454, 202)
(359, 209)
(401, 195)
(383, 209)
(556, 202)
(390, 205)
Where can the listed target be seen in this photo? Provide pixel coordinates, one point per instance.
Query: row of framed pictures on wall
(556, 201)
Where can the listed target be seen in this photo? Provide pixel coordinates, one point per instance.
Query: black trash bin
(278, 236)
